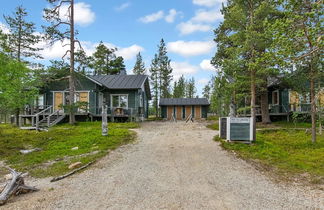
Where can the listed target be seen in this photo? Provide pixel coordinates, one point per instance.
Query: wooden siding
(58, 98)
(198, 112)
(188, 111)
(169, 112)
(179, 112)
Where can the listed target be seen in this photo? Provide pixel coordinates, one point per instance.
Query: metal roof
(183, 101)
(120, 81)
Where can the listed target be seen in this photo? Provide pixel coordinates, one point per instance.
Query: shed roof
(183, 101)
(120, 81)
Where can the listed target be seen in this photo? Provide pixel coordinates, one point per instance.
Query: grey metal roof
(120, 81)
(183, 101)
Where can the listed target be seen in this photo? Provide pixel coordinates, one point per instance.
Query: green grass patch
(287, 151)
(213, 118)
(213, 126)
(56, 145)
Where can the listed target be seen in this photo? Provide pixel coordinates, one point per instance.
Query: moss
(56, 145)
(286, 150)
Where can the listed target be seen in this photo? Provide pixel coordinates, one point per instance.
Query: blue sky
(138, 25)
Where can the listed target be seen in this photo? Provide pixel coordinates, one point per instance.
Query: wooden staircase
(43, 119)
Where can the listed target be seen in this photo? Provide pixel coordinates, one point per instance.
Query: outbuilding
(182, 108)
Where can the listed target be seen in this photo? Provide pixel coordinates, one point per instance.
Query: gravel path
(171, 166)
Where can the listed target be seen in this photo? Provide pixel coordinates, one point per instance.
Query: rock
(26, 151)
(8, 177)
(75, 148)
(75, 165)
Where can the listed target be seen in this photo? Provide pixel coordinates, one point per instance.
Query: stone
(75, 148)
(75, 165)
(8, 176)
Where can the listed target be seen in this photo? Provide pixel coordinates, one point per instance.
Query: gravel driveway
(171, 166)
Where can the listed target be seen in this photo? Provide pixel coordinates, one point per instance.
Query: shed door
(197, 112)
(188, 111)
(58, 100)
(170, 112)
(179, 113)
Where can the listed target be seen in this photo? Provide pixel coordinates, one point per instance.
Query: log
(71, 173)
(15, 186)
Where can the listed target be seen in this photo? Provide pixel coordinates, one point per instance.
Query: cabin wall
(182, 112)
(131, 97)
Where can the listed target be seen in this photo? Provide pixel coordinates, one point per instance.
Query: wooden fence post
(104, 121)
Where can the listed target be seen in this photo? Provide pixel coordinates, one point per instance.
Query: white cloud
(57, 50)
(203, 81)
(83, 14)
(122, 6)
(189, 27)
(171, 16)
(152, 17)
(208, 3)
(130, 52)
(4, 28)
(206, 65)
(191, 48)
(208, 16)
(182, 68)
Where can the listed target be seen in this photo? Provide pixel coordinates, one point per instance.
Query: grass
(284, 124)
(56, 145)
(287, 152)
(213, 126)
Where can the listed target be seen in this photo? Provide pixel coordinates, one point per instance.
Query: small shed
(182, 108)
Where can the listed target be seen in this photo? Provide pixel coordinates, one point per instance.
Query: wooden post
(104, 121)
(37, 121)
(112, 115)
(19, 121)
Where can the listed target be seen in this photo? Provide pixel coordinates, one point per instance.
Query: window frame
(111, 100)
(273, 97)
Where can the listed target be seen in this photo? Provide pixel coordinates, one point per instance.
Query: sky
(138, 26)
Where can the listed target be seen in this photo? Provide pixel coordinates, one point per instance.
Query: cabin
(283, 101)
(184, 108)
(126, 96)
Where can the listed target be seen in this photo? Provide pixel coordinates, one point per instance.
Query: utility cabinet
(236, 128)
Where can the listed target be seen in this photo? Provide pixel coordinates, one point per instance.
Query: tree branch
(61, 22)
(60, 4)
(77, 41)
(68, 51)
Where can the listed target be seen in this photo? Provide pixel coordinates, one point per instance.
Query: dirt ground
(171, 166)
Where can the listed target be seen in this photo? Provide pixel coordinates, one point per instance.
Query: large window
(120, 101)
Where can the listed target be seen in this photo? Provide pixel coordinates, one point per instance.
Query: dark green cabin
(127, 96)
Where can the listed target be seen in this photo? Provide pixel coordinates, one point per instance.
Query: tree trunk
(17, 117)
(313, 105)
(71, 78)
(253, 100)
(265, 107)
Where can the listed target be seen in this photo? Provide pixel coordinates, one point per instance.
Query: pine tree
(191, 88)
(105, 61)
(22, 37)
(154, 78)
(298, 41)
(242, 47)
(206, 91)
(165, 71)
(57, 32)
(179, 90)
(139, 67)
